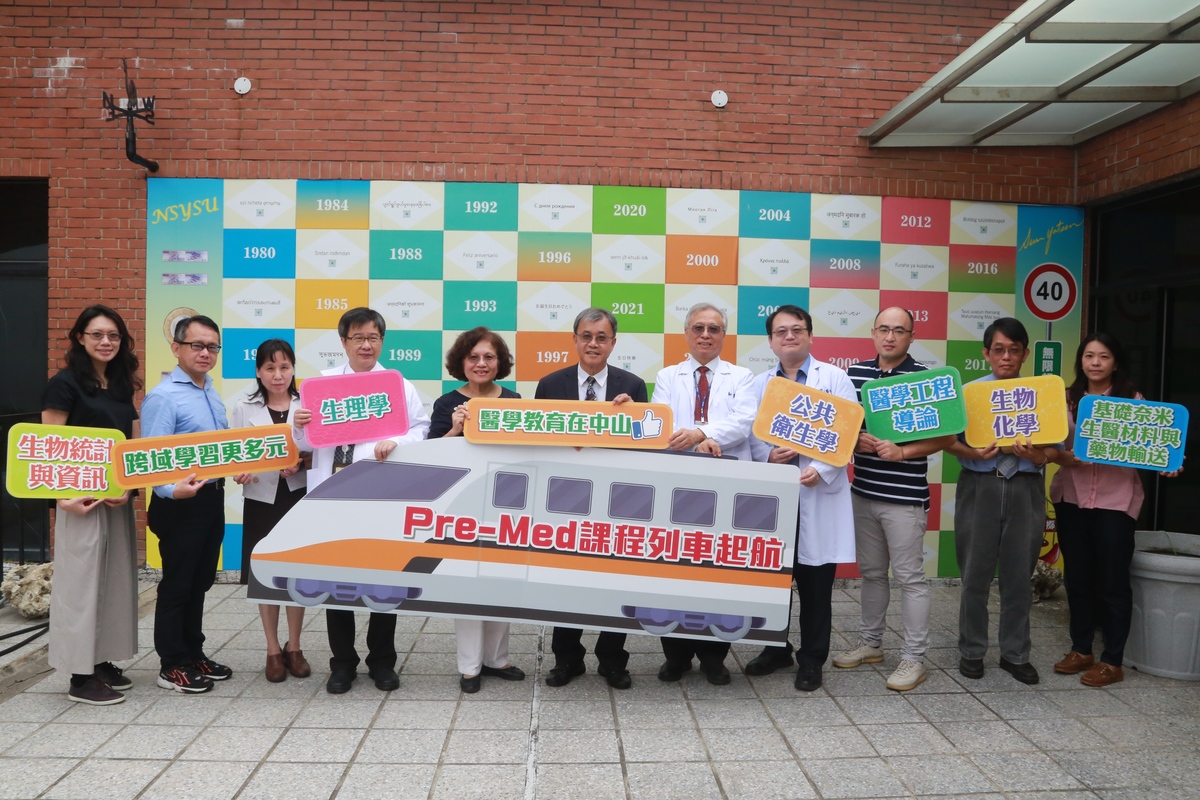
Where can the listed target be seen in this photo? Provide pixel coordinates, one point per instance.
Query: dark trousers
(568, 648)
(814, 591)
(1097, 547)
(189, 540)
(381, 641)
(680, 651)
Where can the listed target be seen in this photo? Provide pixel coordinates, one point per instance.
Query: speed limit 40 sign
(1051, 292)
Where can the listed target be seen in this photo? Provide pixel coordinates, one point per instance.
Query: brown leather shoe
(1074, 663)
(1102, 675)
(296, 663)
(275, 669)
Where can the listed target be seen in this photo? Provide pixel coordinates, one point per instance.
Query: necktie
(702, 395)
(343, 456)
(1007, 465)
(591, 388)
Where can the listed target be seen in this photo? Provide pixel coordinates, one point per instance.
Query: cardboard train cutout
(654, 542)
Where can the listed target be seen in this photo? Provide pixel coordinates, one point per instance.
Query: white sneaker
(863, 654)
(909, 675)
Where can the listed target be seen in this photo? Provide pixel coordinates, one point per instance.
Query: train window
(631, 501)
(509, 490)
(569, 496)
(755, 512)
(389, 480)
(694, 507)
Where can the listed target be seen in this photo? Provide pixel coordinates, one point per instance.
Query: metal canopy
(1055, 72)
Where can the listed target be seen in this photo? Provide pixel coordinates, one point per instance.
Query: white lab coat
(826, 532)
(731, 402)
(251, 411)
(322, 468)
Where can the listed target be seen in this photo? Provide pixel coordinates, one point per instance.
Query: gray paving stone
(293, 782)
(755, 744)
(494, 715)
(577, 746)
(249, 712)
(148, 742)
(876, 710)
(232, 744)
(101, 779)
(580, 781)
(906, 739)
(755, 780)
(480, 782)
(1060, 734)
(290, 689)
(416, 714)
(339, 711)
(835, 741)
(794, 712)
(486, 747)
(661, 715)
(942, 774)
(1021, 705)
(135, 703)
(582, 715)
(731, 714)
(855, 778)
(951, 707)
(309, 745)
(386, 782)
(1108, 769)
(421, 687)
(672, 782)
(390, 746)
(173, 708)
(985, 737)
(1090, 703)
(653, 746)
(193, 780)
(29, 777)
(63, 740)
(858, 682)
(1180, 765)
(1024, 772)
(13, 732)
(34, 707)
(697, 687)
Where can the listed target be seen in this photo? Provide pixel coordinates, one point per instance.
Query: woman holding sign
(93, 608)
(1096, 506)
(479, 357)
(267, 496)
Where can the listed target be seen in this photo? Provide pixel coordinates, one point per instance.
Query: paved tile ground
(757, 738)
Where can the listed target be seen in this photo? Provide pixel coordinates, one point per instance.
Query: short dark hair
(357, 317)
(466, 342)
(181, 327)
(1011, 328)
(793, 310)
(266, 352)
(594, 314)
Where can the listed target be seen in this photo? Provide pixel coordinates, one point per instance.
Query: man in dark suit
(591, 379)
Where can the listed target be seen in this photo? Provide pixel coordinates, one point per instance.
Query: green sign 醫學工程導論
(916, 405)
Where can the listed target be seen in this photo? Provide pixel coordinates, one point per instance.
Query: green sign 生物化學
(916, 405)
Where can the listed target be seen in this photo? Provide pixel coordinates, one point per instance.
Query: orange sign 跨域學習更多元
(160, 460)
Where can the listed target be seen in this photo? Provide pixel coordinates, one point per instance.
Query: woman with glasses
(1095, 508)
(267, 496)
(479, 357)
(93, 608)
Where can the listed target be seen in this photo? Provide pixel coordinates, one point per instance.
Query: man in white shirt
(362, 331)
(713, 405)
(825, 534)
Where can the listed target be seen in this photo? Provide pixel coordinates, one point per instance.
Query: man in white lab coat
(713, 404)
(362, 331)
(825, 535)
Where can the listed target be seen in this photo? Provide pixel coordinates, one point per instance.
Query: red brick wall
(1155, 149)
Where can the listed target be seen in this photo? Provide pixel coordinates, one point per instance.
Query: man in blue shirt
(999, 521)
(188, 516)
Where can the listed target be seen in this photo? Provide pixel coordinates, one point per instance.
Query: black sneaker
(185, 680)
(113, 675)
(211, 669)
(95, 693)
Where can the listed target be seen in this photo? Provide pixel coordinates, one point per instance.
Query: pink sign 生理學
(356, 407)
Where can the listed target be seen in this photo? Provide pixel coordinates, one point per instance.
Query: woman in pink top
(1096, 506)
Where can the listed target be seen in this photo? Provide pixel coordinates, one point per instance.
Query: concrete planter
(1164, 637)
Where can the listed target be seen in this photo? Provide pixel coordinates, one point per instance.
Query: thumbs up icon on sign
(648, 427)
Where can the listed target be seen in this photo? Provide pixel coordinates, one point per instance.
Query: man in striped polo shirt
(891, 501)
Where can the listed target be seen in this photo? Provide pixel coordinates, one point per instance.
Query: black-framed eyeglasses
(99, 336)
(796, 330)
(359, 339)
(198, 346)
(884, 330)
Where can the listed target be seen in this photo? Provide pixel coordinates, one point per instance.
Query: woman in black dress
(267, 496)
(93, 608)
(479, 357)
